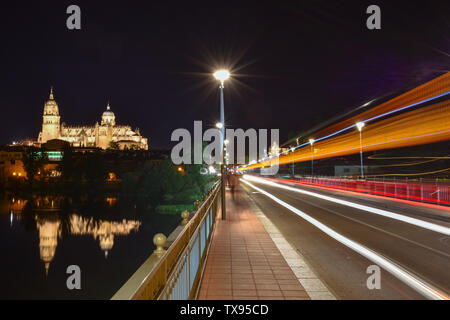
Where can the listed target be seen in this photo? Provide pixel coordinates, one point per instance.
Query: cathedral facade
(104, 135)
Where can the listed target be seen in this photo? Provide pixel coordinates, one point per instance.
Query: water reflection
(42, 234)
(50, 231)
(104, 231)
(49, 219)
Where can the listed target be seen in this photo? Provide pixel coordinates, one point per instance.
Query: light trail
(357, 192)
(421, 94)
(392, 215)
(385, 114)
(426, 125)
(417, 284)
(377, 157)
(404, 164)
(425, 93)
(408, 174)
(370, 119)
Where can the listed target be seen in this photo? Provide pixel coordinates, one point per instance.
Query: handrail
(175, 273)
(437, 193)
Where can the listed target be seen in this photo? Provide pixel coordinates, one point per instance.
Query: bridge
(304, 236)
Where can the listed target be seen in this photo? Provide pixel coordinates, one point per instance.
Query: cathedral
(104, 135)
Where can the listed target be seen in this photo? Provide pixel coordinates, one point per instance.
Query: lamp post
(360, 125)
(311, 142)
(293, 165)
(221, 76)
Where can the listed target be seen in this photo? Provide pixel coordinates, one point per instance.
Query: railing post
(197, 205)
(159, 240)
(185, 217)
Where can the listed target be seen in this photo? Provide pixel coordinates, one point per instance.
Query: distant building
(349, 171)
(100, 135)
(11, 165)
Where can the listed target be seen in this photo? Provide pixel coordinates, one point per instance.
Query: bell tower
(51, 120)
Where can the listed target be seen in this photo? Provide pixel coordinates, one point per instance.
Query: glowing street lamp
(221, 76)
(360, 125)
(311, 142)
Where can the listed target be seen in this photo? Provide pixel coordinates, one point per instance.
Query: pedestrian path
(243, 262)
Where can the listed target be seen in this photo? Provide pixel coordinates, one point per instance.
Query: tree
(67, 165)
(33, 162)
(94, 167)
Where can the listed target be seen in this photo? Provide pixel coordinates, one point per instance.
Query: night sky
(295, 64)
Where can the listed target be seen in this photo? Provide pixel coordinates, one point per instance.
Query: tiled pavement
(244, 262)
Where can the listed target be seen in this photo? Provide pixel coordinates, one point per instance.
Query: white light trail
(417, 222)
(412, 281)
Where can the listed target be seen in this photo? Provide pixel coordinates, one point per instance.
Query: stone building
(100, 135)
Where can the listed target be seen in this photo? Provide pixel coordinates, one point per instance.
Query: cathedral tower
(106, 128)
(51, 120)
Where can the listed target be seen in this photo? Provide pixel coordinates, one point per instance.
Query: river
(42, 236)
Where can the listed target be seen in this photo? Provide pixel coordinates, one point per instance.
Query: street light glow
(222, 75)
(219, 125)
(311, 141)
(360, 125)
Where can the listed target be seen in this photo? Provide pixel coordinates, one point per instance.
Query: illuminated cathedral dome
(96, 136)
(108, 117)
(51, 107)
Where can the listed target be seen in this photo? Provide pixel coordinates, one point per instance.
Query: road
(422, 254)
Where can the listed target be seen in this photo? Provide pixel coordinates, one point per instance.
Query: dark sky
(295, 63)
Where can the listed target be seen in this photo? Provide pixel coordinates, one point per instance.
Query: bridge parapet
(175, 273)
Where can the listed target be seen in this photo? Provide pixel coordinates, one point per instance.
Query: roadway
(415, 241)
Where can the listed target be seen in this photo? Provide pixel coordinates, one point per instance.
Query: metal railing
(175, 273)
(438, 193)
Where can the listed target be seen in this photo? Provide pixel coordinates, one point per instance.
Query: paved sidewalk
(244, 262)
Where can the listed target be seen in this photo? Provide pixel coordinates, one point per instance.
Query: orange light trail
(425, 91)
(422, 126)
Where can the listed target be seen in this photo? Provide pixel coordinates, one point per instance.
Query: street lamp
(311, 142)
(293, 165)
(360, 125)
(221, 76)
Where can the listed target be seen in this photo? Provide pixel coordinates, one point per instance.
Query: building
(349, 171)
(103, 135)
(12, 161)
(11, 165)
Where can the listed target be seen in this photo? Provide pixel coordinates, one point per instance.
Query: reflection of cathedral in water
(49, 232)
(104, 231)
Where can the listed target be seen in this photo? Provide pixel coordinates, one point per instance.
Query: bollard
(185, 217)
(159, 240)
